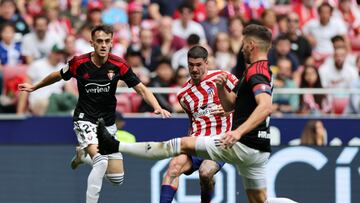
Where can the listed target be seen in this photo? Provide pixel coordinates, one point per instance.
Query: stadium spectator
(213, 23)
(8, 13)
(354, 103)
(199, 10)
(180, 78)
(299, 44)
(316, 104)
(180, 57)
(314, 133)
(160, 8)
(268, 19)
(94, 13)
(225, 59)
(38, 43)
(282, 49)
(348, 11)
(336, 73)
(306, 9)
(121, 134)
(134, 58)
(75, 13)
(236, 27)
(10, 50)
(163, 78)
(82, 43)
(168, 42)
(69, 47)
(149, 52)
(245, 9)
(314, 31)
(185, 26)
(58, 24)
(284, 103)
(113, 14)
(38, 102)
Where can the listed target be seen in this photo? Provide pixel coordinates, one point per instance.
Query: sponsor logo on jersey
(202, 112)
(264, 135)
(110, 74)
(97, 88)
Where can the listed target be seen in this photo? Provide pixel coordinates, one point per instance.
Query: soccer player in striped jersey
(200, 101)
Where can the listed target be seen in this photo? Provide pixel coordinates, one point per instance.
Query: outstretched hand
(26, 87)
(164, 113)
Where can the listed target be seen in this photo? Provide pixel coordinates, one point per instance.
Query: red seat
(13, 75)
(123, 103)
(339, 104)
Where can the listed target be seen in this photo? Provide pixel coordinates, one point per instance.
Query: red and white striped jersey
(198, 100)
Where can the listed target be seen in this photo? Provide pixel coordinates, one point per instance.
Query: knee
(174, 170)
(205, 175)
(115, 178)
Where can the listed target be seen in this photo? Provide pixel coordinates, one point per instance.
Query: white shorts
(86, 135)
(251, 163)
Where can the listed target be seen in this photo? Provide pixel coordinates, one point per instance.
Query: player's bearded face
(247, 51)
(102, 43)
(197, 68)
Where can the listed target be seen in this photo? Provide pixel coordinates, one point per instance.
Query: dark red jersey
(97, 86)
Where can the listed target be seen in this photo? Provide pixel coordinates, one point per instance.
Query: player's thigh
(92, 150)
(209, 168)
(180, 164)
(115, 166)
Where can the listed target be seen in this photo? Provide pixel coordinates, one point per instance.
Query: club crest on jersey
(210, 91)
(110, 74)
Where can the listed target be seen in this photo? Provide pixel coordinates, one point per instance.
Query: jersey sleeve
(259, 78)
(130, 78)
(231, 82)
(260, 84)
(65, 72)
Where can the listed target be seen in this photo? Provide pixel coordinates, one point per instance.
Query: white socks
(152, 150)
(87, 159)
(95, 178)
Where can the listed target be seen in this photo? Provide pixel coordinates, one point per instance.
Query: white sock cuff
(99, 158)
(175, 145)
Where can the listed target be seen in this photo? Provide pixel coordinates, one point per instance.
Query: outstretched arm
(150, 99)
(48, 80)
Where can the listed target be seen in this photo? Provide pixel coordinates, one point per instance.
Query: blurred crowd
(316, 45)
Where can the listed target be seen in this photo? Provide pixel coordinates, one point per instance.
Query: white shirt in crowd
(38, 70)
(323, 34)
(192, 28)
(36, 48)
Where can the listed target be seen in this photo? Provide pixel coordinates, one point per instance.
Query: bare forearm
(148, 96)
(48, 80)
(258, 116)
(227, 99)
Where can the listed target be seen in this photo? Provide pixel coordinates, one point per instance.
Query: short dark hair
(282, 37)
(325, 4)
(40, 16)
(7, 24)
(198, 52)
(337, 38)
(186, 5)
(259, 32)
(105, 28)
(193, 39)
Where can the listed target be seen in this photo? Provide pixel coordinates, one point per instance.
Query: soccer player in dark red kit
(97, 74)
